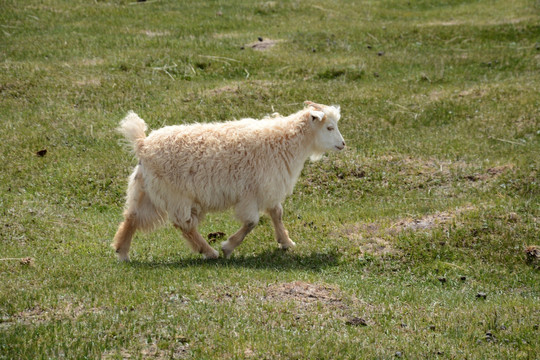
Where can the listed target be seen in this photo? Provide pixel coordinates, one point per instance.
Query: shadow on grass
(269, 259)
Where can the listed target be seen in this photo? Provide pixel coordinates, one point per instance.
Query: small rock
(512, 217)
(490, 337)
(398, 354)
(181, 339)
(502, 327)
(26, 261)
(219, 13)
(356, 321)
(481, 295)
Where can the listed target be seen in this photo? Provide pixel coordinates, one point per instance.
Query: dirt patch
(513, 21)
(490, 173)
(473, 93)
(151, 33)
(92, 62)
(27, 261)
(429, 221)
(436, 95)
(241, 88)
(38, 315)
(35, 315)
(377, 246)
(230, 35)
(372, 238)
(263, 45)
(305, 293)
(88, 82)
(368, 237)
(158, 348)
(231, 89)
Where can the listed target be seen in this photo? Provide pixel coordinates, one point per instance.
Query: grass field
(410, 244)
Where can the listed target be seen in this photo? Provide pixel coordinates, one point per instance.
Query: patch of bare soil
(38, 315)
(263, 45)
(165, 349)
(368, 238)
(507, 21)
(473, 93)
(224, 89)
(305, 293)
(92, 62)
(371, 238)
(240, 88)
(229, 35)
(88, 82)
(151, 33)
(491, 173)
(427, 222)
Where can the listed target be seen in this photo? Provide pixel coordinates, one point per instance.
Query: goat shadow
(275, 259)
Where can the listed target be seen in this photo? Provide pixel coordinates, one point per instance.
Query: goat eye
(330, 128)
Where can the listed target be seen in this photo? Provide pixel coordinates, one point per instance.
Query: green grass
(433, 202)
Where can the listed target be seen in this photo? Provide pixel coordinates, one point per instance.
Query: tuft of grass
(417, 241)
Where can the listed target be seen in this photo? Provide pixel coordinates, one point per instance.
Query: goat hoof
(289, 245)
(123, 257)
(227, 251)
(211, 255)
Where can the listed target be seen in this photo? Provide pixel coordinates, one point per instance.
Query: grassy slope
(440, 103)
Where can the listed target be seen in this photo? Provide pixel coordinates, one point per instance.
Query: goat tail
(134, 130)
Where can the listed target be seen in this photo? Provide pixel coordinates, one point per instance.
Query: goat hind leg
(123, 237)
(198, 244)
(140, 213)
(187, 220)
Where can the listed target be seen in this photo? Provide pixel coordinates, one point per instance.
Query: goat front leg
(248, 214)
(237, 238)
(282, 235)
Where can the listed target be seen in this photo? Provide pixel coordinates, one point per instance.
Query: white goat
(252, 165)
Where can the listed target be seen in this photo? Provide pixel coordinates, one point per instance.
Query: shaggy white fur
(252, 165)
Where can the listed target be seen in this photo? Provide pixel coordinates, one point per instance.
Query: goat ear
(337, 107)
(313, 105)
(316, 115)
